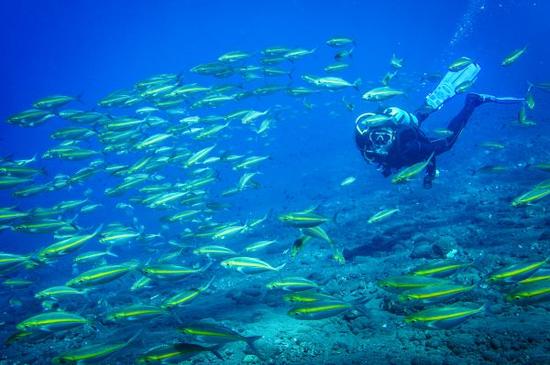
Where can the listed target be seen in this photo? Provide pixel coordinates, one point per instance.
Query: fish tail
(5, 226)
(134, 264)
(134, 337)
(205, 267)
(359, 307)
(250, 342)
(357, 84)
(109, 253)
(97, 230)
(215, 350)
(73, 220)
(205, 287)
(33, 262)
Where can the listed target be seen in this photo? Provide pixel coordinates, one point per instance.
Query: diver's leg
(473, 100)
(457, 124)
(423, 113)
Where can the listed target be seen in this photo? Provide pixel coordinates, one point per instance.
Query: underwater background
(188, 207)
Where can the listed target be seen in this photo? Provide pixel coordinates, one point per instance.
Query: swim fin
(486, 98)
(450, 82)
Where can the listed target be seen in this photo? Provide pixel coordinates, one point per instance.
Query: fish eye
(517, 297)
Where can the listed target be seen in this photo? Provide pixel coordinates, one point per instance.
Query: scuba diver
(393, 139)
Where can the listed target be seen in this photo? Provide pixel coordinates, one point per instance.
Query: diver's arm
(413, 145)
(421, 149)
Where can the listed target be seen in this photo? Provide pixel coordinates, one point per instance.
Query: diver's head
(376, 143)
(375, 133)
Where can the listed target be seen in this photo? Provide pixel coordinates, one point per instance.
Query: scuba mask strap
(362, 129)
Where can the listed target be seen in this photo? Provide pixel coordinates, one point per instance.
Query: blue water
(91, 49)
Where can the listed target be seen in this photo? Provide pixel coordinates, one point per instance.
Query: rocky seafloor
(489, 235)
(472, 222)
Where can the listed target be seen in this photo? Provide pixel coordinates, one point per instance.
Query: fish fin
(431, 325)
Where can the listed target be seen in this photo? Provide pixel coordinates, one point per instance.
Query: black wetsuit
(411, 145)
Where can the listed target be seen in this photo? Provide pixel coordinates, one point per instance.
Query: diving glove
(447, 88)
